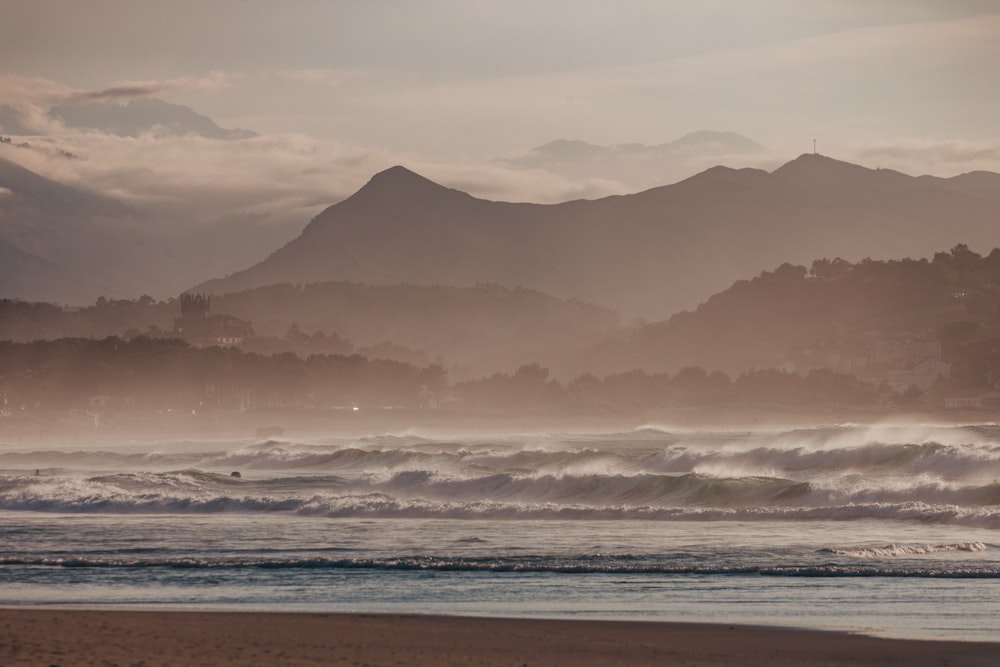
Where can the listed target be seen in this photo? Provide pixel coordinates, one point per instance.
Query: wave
(422, 494)
(939, 474)
(892, 550)
(595, 490)
(949, 455)
(522, 564)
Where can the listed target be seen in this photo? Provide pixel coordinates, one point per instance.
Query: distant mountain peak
(816, 170)
(397, 175)
(141, 115)
(398, 182)
(809, 160)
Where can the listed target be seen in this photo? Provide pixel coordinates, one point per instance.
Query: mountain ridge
(650, 253)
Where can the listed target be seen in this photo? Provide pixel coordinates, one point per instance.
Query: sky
(340, 89)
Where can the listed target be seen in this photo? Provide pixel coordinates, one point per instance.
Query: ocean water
(888, 530)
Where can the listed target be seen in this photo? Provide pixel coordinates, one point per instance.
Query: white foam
(892, 550)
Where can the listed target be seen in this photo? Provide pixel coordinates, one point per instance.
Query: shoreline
(34, 636)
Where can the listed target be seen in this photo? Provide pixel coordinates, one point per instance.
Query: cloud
(864, 82)
(195, 176)
(31, 97)
(130, 89)
(282, 176)
(27, 118)
(929, 156)
(17, 89)
(284, 179)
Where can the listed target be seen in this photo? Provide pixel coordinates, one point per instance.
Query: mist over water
(520, 524)
(931, 474)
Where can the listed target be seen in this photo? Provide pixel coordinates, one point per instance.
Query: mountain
(58, 242)
(68, 245)
(649, 254)
(50, 198)
(142, 115)
(22, 272)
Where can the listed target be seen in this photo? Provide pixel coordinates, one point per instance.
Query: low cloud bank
(939, 158)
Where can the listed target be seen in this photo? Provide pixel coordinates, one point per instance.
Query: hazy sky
(341, 89)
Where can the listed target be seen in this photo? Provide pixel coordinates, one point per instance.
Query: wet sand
(155, 638)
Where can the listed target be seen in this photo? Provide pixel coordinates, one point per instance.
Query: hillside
(822, 316)
(650, 254)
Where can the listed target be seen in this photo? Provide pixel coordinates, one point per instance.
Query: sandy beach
(154, 638)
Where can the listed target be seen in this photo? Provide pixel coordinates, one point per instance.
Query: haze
(455, 91)
(586, 315)
(231, 147)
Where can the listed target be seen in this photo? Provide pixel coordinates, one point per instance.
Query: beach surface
(153, 638)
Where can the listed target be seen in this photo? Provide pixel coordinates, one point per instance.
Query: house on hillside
(977, 398)
(202, 329)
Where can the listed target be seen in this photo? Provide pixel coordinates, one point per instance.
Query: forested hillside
(780, 315)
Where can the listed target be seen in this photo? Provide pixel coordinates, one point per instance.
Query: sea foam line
(516, 565)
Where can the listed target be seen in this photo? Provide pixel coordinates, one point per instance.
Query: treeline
(25, 321)
(150, 374)
(530, 389)
(166, 374)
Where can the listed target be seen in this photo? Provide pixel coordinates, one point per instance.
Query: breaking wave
(892, 550)
(422, 495)
(953, 453)
(933, 474)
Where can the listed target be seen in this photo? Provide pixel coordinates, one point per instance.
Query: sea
(890, 530)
